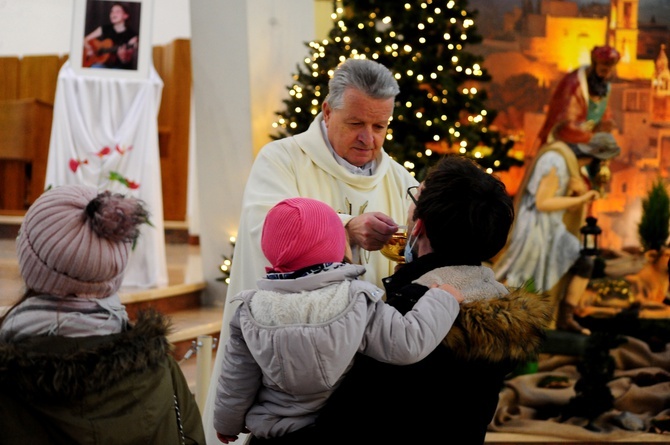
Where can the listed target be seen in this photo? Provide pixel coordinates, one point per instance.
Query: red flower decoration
(75, 163)
(104, 152)
(122, 150)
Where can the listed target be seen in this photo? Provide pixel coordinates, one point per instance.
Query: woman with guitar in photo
(112, 45)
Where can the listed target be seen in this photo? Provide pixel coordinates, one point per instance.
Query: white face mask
(409, 248)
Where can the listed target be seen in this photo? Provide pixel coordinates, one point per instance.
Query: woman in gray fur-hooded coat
(460, 218)
(293, 339)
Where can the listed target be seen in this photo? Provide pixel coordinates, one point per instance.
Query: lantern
(590, 233)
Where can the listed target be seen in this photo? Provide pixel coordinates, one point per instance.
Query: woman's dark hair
(467, 212)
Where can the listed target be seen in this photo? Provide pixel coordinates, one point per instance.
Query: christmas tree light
(440, 108)
(227, 263)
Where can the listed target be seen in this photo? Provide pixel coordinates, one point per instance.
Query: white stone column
(243, 54)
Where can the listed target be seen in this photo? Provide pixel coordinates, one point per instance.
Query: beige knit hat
(76, 241)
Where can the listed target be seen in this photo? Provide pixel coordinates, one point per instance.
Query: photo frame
(112, 38)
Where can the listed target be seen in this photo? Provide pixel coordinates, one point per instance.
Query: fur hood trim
(511, 327)
(68, 368)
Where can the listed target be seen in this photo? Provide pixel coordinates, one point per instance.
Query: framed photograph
(112, 38)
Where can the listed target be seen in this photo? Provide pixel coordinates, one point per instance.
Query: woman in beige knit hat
(73, 367)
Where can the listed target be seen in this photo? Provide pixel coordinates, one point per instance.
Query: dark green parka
(113, 389)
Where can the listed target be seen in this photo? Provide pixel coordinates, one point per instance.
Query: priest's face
(357, 130)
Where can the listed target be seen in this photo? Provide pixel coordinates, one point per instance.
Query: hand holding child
(452, 290)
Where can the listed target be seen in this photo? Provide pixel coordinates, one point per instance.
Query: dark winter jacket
(449, 397)
(113, 389)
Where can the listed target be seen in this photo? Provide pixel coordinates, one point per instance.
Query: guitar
(103, 51)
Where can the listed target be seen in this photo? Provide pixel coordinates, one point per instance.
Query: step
(189, 367)
(166, 299)
(181, 302)
(189, 319)
(191, 323)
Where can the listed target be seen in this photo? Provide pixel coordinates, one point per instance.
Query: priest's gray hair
(370, 77)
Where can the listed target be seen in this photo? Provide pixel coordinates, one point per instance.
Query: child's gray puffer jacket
(292, 341)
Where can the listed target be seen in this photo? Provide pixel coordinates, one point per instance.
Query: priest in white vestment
(338, 160)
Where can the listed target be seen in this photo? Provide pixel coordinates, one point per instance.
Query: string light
(227, 263)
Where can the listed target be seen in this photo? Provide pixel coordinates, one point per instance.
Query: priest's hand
(370, 231)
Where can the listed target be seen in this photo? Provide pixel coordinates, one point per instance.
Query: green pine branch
(653, 227)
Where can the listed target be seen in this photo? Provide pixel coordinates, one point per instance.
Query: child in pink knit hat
(73, 367)
(293, 339)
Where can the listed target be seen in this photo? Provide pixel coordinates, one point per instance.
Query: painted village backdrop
(530, 44)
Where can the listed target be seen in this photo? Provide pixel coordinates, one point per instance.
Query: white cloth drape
(105, 134)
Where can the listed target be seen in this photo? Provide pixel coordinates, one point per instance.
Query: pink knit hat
(301, 232)
(76, 241)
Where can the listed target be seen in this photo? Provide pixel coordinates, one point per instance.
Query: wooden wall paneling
(12, 171)
(15, 152)
(13, 184)
(25, 128)
(174, 116)
(38, 76)
(163, 122)
(61, 60)
(164, 125)
(157, 58)
(9, 78)
(42, 119)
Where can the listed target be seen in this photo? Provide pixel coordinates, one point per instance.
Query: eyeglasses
(411, 192)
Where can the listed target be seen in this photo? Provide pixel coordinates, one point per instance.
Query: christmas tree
(440, 108)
